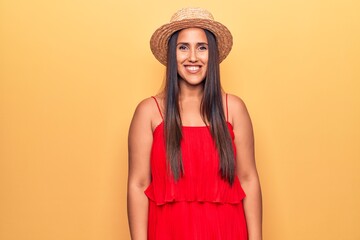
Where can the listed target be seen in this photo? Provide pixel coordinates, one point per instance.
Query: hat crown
(191, 13)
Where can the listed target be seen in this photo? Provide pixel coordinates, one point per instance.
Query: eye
(182, 47)
(203, 47)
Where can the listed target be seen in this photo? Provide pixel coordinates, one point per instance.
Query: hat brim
(159, 39)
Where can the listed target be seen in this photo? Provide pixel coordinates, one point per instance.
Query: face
(192, 55)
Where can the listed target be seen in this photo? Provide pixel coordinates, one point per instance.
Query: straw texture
(189, 18)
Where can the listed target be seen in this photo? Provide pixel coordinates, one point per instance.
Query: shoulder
(145, 107)
(235, 104)
(147, 112)
(238, 113)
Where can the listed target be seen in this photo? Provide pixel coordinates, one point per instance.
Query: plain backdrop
(73, 71)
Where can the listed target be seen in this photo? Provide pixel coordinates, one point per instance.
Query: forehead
(192, 35)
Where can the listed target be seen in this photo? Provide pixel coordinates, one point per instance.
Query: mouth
(192, 68)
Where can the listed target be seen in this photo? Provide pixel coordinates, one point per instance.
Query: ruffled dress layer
(199, 206)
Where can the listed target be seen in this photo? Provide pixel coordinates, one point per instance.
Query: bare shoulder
(145, 107)
(238, 113)
(147, 113)
(236, 101)
(236, 105)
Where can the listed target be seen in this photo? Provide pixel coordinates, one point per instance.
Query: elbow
(249, 177)
(138, 184)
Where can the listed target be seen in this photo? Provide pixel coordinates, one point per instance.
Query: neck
(191, 91)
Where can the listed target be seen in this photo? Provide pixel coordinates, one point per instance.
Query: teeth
(192, 68)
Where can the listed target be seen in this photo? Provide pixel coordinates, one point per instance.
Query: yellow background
(72, 72)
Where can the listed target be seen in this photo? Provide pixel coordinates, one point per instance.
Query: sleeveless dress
(200, 205)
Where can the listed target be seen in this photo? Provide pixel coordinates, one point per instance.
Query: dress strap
(158, 106)
(227, 109)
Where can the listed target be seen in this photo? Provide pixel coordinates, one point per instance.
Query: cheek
(205, 61)
(205, 70)
(180, 57)
(205, 58)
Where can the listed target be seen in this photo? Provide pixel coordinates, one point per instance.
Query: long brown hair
(211, 109)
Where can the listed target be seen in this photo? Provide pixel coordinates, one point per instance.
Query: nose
(193, 55)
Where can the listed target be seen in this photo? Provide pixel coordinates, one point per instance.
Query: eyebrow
(186, 43)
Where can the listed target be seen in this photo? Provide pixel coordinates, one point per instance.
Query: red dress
(200, 205)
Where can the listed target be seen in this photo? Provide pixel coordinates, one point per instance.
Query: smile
(192, 69)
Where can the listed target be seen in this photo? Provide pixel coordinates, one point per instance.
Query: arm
(139, 175)
(246, 167)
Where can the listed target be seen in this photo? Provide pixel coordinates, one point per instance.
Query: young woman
(192, 172)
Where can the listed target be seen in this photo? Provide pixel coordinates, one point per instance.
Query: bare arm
(246, 167)
(139, 176)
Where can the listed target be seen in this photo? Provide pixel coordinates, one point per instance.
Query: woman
(192, 172)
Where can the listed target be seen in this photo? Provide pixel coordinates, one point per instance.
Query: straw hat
(187, 18)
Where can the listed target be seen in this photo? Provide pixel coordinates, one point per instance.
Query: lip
(192, 68)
